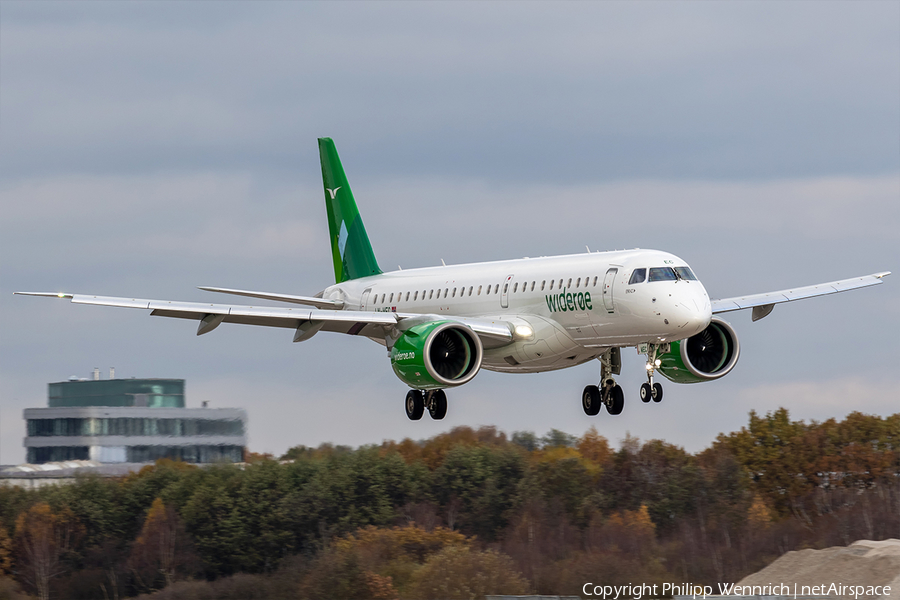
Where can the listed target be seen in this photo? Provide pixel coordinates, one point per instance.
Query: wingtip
(45, 294)
(882, 275)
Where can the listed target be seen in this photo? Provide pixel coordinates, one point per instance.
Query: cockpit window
(638, 276)
(685, 273)
(663, 274)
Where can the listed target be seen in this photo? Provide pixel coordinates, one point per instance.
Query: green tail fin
(350, 247)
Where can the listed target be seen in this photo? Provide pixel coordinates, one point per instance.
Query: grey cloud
(147, 148)
(587, 92)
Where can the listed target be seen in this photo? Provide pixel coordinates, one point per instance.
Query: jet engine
(710, 354)
(436, 354)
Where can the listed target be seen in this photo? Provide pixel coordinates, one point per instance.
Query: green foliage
(527, 440)
(477, 486)
(558, 439)
(366, 522)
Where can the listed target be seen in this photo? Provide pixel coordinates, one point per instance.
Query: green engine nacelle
(436, 354)
(710, 354)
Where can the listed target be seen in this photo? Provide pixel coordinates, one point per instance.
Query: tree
(5, 551)
(42, 540)
(161, 549)
(460, 573)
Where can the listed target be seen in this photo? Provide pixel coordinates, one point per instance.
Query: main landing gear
(417, 401)
(608, 393)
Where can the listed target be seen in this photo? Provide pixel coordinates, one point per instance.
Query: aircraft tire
(591, 401)
(616, 401)
(438, 408)
(415, 405)
(646, 392)
(657, 392)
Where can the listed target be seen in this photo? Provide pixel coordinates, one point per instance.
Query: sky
(149, 148)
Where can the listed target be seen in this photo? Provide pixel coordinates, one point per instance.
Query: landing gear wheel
(656, 393)
(590, 400)
(616, 400)
(437, 408)
(646, 392)
(415, 405)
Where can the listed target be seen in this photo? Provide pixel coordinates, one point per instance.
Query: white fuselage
(565, 310)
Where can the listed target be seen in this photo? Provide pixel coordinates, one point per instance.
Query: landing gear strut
(650, 390)
(608, 393)
(417, 401)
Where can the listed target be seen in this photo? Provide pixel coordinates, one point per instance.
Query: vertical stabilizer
(350, 247)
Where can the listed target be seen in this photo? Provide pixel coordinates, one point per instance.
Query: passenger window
(430, 294)
(662, 274)
(392, 297)
(453, 293)
(595, 282)
(505, 287)
(543, 284)
(488, 290)
(568, 285)
(515, 287)
(560, 283)
(685, 273)
(532, 285)
(470, 289)
(479, 290)
(407, 296)
(638, 276)
(551, 284)
(578, 283)
(496, 287)
(416, 295)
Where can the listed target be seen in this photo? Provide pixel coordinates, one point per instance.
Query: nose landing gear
(650, 390)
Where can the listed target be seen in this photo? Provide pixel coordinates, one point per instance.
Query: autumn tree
(461, 573)
(5, 551)
(161, 549)
(42, 541)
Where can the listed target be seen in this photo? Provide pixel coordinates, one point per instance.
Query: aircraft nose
(694, 315)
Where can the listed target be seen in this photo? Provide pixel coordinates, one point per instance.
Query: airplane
(442, 325)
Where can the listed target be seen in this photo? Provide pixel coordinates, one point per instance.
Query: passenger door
(504, 295)
(608, 284)
(364, 299)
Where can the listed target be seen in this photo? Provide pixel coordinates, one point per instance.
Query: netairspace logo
(643, 590)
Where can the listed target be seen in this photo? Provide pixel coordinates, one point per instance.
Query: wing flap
(307, 300)
(801, 293)
(350, 322)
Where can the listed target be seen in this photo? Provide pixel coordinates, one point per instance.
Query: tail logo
(333, 192)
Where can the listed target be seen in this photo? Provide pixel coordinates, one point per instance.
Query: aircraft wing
(763, 304)
(305, 321)
(310, 301)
